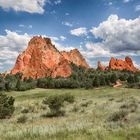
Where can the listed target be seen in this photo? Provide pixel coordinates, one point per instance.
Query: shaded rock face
(42, 59)
(119, 64)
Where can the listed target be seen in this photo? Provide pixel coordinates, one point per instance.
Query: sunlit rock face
(75, 57)
(42, 59)
(119, 64)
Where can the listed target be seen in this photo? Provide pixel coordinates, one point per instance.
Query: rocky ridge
(42, 59)
(119, 64)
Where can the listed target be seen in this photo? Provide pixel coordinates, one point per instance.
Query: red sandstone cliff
(75, 57)
(119, 64)
(42, 59)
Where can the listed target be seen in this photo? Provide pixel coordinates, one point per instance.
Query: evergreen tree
(136, 78)
(96, 81)
(7, 86)
(102, 80)
(113, 78)
(131, 79)
(18, 85)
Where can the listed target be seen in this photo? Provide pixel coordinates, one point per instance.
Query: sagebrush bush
(22, 119)
(25, 110)
(56, 102)
(68, 98)
(6, 106)
(75, 108)
(130, 107)
(118, 116)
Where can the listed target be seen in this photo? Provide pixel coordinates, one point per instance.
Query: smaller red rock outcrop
(101, 67)
(119, 64)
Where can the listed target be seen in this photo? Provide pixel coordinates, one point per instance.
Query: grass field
(96, 114)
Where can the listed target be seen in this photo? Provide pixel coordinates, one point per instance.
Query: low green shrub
(75, 108)
(118, 116)
(68, 98)
(25, 110)
(6, 106)
(56, 102)
(130, 107)
(22, 119)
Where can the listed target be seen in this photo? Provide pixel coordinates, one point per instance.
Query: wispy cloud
(66, 23)
(57, 2)
(26, 26)
(79, 31)
(126, 1)
(62, 38)
(137, 8)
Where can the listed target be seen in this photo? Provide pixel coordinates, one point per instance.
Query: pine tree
(96, 81)
(18, 85)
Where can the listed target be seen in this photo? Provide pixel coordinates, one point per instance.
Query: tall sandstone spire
(42, 59)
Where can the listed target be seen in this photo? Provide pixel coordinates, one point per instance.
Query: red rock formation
(119, 64)
(42, 59)
(75, 57)
(101, 67)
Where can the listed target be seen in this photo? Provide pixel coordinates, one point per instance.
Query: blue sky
(100, 29)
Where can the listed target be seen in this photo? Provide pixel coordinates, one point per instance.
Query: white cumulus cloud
(30, 6)
(11, 45)
(119, 35)
(14, 40)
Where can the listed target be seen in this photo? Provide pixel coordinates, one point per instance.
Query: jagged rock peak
(42, 59)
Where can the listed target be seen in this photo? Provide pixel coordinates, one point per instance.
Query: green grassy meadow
(97, 114)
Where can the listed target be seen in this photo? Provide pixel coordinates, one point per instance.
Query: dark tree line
(80, 78)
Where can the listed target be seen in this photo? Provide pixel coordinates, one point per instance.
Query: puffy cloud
(30, 6)
(96, 50)
(119, 36)
(10, 45)
(79, 31)
(6, 54)
(13, 40)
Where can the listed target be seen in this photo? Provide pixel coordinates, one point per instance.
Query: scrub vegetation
(73, 114)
